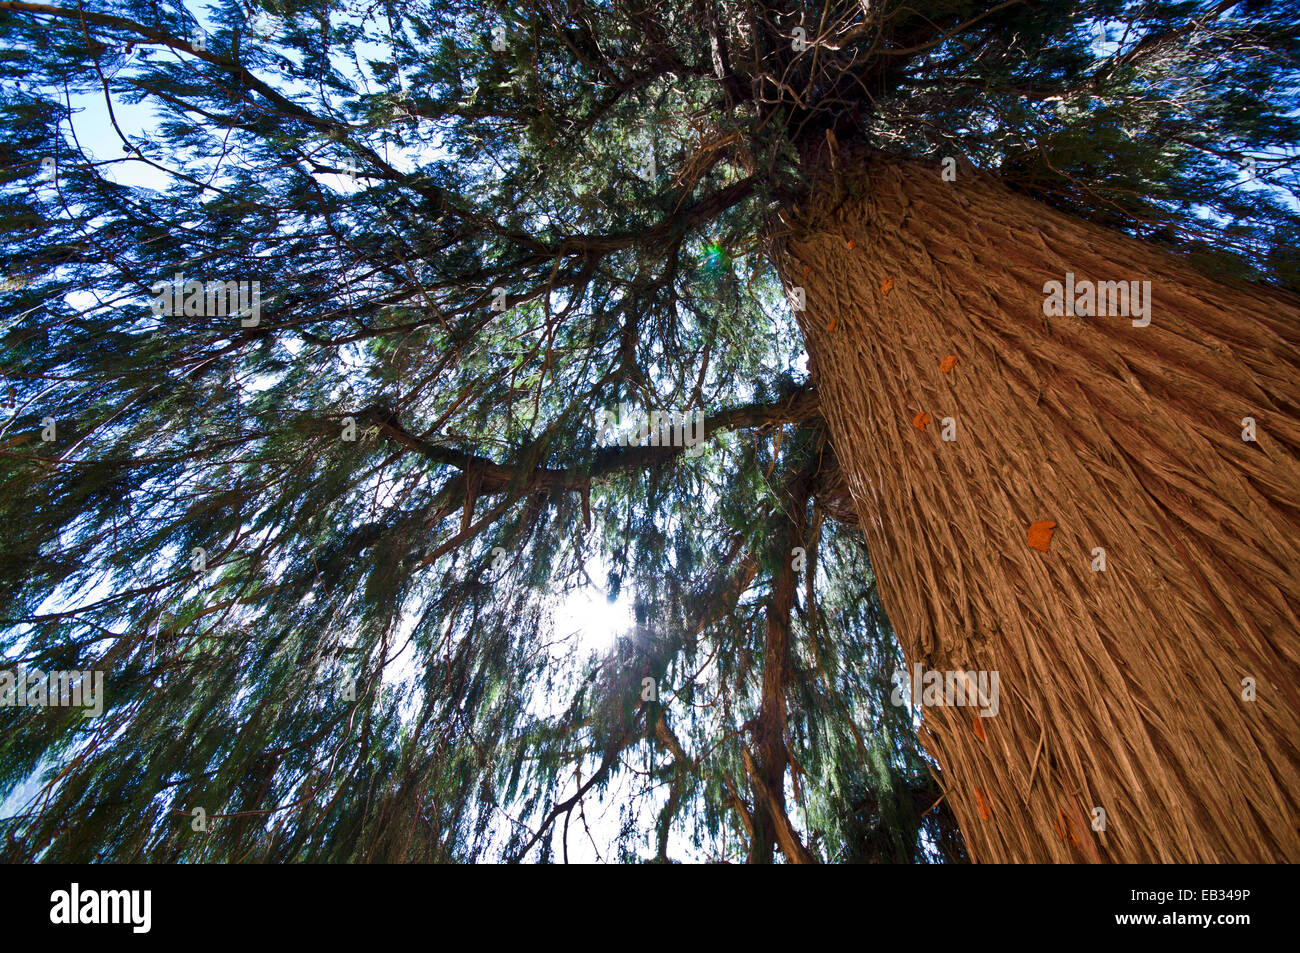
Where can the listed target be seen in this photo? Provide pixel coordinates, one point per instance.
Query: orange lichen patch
(887, 286)
(986, 811)
(831, 327)
(1071, 826)
(1040, 535)
(948, 363)
(979, 729)
(921, 421)
(1086, 843)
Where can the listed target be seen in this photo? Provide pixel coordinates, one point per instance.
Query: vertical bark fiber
(1119, 689)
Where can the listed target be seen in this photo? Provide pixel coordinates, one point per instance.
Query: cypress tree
(344, 342)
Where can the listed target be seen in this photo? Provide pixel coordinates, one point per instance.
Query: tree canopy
(317, 541)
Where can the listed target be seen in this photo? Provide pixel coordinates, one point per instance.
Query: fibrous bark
(1120, 689)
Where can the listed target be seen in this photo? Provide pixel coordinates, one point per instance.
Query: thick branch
(498, 477)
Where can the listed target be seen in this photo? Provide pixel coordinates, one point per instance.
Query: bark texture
(1119, 689)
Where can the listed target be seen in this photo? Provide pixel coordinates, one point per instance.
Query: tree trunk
(1120, 689)
(767, 766)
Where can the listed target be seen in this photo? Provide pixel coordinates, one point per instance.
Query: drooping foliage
(323, 541)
